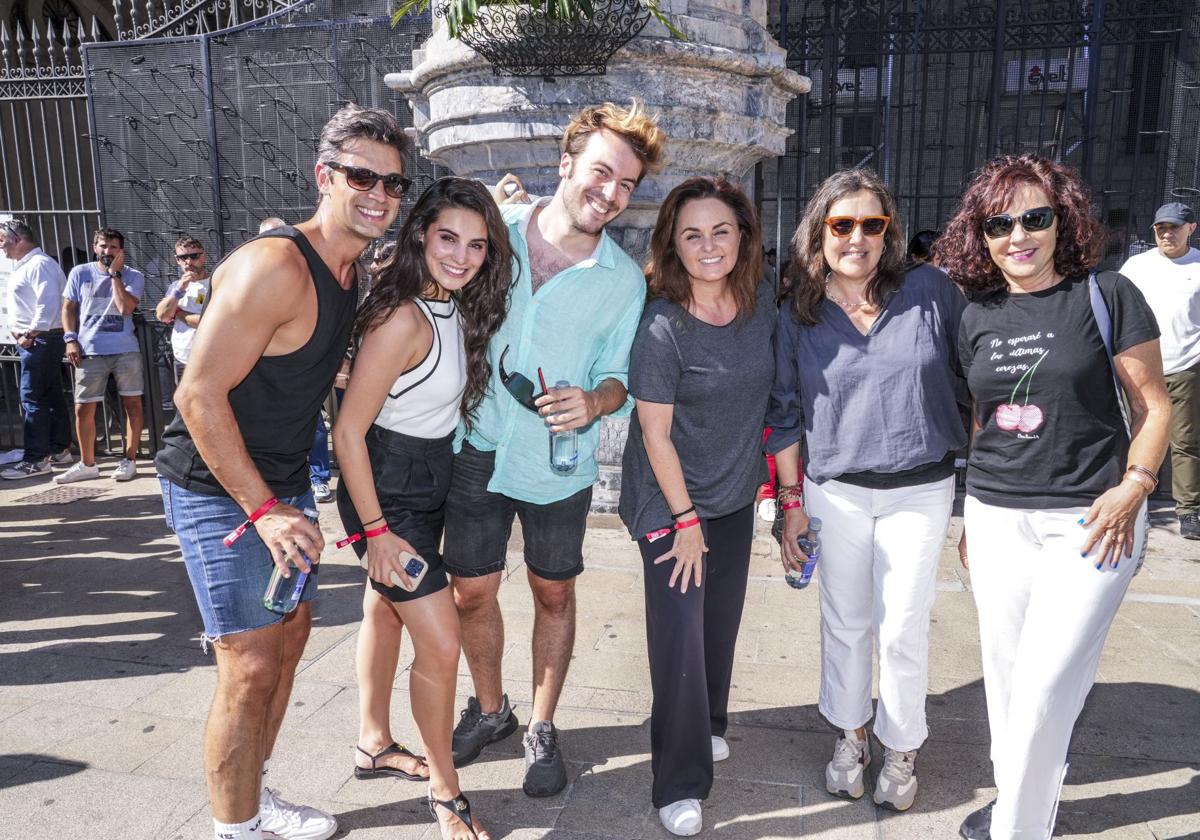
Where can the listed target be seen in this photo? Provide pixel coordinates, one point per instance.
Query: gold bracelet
(1138, 468)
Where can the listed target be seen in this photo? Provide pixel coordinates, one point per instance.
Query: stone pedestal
(721, 96)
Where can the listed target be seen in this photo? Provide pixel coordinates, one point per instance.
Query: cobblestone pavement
(104, 692)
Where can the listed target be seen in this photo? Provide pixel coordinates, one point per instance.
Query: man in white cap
(1169, 277)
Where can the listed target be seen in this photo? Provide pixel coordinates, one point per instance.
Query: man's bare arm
(166, 309)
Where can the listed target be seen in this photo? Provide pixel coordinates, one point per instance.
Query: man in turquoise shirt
(574, 311)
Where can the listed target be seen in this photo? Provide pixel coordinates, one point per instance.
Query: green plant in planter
(461, 13)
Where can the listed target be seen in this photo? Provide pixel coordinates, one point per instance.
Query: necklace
(850, 307)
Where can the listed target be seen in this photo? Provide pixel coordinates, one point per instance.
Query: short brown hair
(355, 122)
(633, 124)
(1079, 243)
(665, 274)
(107, 233)
(188, 242)
(808, 269)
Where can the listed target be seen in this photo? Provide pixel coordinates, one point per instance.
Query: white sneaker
(896, 787)
(61, 459)
(720, 748)
(78, 472)
(281, 820)
(844, 774)
(126, 470)
(682, 818)
(766, 510)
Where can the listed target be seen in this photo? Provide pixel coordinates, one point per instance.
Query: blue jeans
(228, 582)
(318, 456)
(47, 428)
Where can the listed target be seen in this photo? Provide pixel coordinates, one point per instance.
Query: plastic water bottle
(810, 544)
(564, 446)
(283, 593)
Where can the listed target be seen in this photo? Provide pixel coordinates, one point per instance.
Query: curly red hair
(962, 250)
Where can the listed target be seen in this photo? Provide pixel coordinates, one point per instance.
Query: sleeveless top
(277, 405)
(425, 400)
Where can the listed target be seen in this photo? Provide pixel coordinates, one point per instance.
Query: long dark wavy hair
(665, 275)
(1079, 239)
(483, 302)
(808, 269)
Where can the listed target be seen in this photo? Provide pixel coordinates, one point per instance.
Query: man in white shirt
(1169, 277)
(184, 302)
(34, 297)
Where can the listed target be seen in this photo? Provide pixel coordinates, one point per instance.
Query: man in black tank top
(277, 324)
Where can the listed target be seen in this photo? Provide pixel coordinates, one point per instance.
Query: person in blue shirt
(575, 307)
(97, 316)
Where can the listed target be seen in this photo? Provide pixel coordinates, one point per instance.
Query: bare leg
(553, 641)
(377, 655)
(433, 624)
(296, 626)
(133, 428)
(85, 430)
(482, 635)
(248, 670)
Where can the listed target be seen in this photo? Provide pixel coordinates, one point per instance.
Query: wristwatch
(178, 293)
(69, 337)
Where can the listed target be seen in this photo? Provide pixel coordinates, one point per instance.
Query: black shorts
(412, 477)
(479, 523)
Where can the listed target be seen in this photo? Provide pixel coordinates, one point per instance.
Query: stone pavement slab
(104, 690)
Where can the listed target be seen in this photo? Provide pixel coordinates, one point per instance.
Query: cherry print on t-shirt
(1023, 418)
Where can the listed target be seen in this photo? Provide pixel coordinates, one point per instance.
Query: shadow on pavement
(48, 768)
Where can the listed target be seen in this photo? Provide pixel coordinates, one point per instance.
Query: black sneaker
(545, 773)
(476, 730)
(978, 824)
(1189, 526)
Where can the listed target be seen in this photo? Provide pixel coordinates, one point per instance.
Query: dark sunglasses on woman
(364, 180)
(1039, 218)
(519, 386)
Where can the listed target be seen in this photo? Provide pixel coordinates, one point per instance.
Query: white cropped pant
(1044, 613)
(877, 574)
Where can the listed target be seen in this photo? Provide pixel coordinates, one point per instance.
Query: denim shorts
(479, 523)
(91, 377)
(228, 582)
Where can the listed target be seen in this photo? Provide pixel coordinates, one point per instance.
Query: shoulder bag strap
(1104, 322)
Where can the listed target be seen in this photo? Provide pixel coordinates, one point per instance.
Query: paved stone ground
(104, 692)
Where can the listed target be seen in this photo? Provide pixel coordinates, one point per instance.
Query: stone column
(721, 96)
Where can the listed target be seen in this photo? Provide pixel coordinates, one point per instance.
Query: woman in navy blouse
(865, 381)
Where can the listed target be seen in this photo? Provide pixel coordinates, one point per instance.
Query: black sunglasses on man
(519, 385)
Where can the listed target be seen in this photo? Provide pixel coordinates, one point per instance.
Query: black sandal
(374, 771)
(458, 806)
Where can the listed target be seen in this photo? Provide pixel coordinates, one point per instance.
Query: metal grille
(208, 135)
(925, 91)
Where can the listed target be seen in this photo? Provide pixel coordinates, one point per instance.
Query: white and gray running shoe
(896, 787)
(845, 773)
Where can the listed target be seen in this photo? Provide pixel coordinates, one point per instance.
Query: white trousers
(877, 574)
(1044, 613)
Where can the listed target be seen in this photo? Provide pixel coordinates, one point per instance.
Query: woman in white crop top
(421, 367)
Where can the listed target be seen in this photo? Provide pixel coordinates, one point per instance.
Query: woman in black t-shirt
(1055, 513)
(700, 370)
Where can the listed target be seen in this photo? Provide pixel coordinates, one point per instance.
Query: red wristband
(353, 538)
(790, 505)
(234, 535)
(687, 523)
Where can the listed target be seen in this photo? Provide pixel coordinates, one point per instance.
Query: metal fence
(925, 91)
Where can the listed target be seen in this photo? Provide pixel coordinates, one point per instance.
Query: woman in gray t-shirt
(700, 370)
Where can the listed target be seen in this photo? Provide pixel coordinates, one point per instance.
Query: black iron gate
(209, 134)
(925, 91)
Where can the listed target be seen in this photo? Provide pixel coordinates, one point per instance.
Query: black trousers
(691, 639)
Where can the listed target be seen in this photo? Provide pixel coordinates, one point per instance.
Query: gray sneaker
(26, 469)
(476, 730)
(545, 773)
